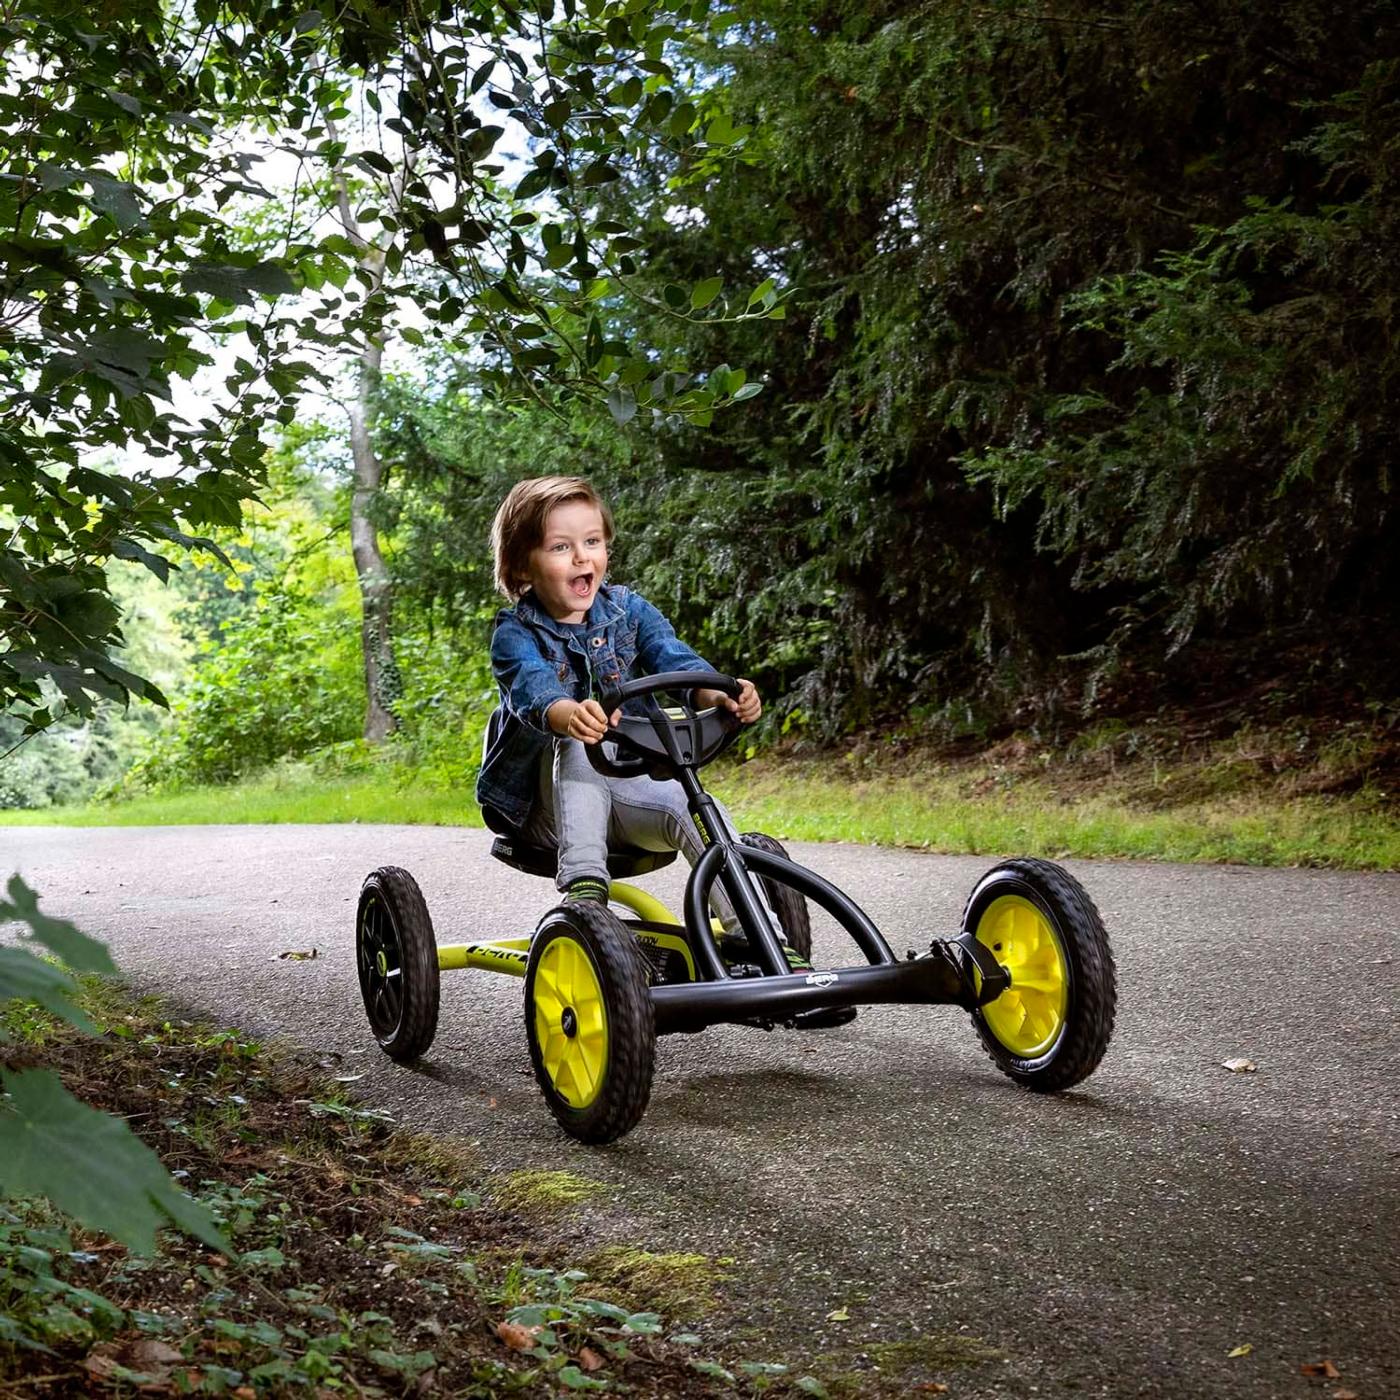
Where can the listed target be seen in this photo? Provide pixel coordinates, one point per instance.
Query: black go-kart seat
(624, 862)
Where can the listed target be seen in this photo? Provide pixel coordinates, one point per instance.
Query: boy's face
(570, 561)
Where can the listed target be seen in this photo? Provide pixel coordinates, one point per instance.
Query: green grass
(930, 813)
(925, 810)
(295, 798)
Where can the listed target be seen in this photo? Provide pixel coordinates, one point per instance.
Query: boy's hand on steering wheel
(589, 722)
(748, 707)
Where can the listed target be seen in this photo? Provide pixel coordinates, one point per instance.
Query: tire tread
(631, 1028)
(422, 981)
(1094, 986)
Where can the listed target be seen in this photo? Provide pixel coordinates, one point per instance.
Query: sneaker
(587, 888)
(795, 961)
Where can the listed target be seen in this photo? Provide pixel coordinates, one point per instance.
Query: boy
(568, 634)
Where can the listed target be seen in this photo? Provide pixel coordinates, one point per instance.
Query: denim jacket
(538, 661)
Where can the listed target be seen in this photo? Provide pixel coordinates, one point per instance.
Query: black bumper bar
(934, 979)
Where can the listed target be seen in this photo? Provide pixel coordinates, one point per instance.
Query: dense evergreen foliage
(1091, 359)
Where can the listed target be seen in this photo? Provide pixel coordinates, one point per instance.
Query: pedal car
(1031, 961)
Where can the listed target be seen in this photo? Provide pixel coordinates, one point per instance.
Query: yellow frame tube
(508, 955)
(646, 906)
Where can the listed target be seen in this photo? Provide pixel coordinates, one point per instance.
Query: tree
(126, 137)
(1095, 356)
(129, 137)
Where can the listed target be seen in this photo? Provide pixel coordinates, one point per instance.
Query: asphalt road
(1120, 1240)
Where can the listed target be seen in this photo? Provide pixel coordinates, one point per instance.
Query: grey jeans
(582, 812)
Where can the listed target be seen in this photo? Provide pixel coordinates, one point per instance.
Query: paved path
(1116, 1241)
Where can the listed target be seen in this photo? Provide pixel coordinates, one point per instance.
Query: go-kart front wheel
(1051, 1027)
(396, 955)
(589, 1021)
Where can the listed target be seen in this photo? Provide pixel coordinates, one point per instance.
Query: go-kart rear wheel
(589, 1021)
(1050, 1028)
(787, 903)
(396, 955)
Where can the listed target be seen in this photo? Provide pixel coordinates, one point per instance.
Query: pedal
(823, 1018)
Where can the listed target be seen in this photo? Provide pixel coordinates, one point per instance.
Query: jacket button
(597, 642)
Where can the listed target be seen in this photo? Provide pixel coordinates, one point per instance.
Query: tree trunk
(383, 683)
(383, 680)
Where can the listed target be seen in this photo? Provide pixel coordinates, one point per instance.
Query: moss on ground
(898, 1366)
(680, 1285)
(536, 1192)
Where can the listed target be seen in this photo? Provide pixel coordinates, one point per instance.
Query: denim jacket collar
(605, 611)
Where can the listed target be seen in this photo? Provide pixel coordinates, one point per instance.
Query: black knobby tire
(585, 963)
(396, 955)
(1085, 1024)
(787, 903)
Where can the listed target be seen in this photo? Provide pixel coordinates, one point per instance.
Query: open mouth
(581, 586)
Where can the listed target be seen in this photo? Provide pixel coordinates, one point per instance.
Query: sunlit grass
(932, 815)
(922, 810)
(379, 798)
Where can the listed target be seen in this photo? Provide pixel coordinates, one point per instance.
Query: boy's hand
(587, 721)
(748, 707)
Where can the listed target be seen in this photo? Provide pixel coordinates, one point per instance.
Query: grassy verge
(368, 1262)
(1112, 794)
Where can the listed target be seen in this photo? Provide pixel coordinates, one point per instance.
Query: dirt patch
(362, 1265)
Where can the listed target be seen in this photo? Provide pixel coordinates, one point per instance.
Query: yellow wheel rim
(571, 1022)
(1028, 1017)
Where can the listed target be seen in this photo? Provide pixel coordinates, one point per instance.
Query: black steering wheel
(662, 741)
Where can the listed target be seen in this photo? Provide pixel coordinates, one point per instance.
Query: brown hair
(519, 524)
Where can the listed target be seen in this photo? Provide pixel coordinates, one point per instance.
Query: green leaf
(235, 284)
(760, 291)
(622, 404)
(810, 1385)
(90, 1165)
(705, 292)
(674, 296)
(482, 140)
(116, 199)
(80, 952)
(682, 119)
(747, 391)
(24, 977)
(575, 1379)
(600, 173)
(713, 1370)
(129, 549)
(532, 184)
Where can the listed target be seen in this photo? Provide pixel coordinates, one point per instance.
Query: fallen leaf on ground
(1345, 1395)
(294, 956)
(1239, 1065)
(516, 1337)
(838, 1315)
(589, 1360)
(1243, 1349)
(1325, 1369)
(151, 1355)
(934, 1388)
(101, 1361)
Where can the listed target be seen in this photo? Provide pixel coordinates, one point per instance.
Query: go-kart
(1031, 961)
